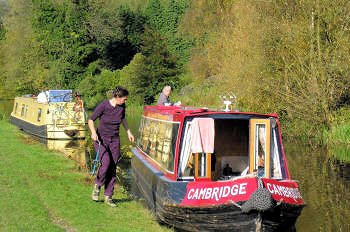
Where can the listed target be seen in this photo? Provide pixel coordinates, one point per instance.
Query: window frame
(146, 144)
(253, 147)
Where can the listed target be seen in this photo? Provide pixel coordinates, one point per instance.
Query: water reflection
(326, 192)
(344, 171)
(72, 149)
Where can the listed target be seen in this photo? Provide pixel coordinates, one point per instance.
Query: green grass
(42, 191)
(338, 140)
(341, 153)
(338, 137)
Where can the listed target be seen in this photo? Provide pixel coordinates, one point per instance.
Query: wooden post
(208, 173)
(196, 165)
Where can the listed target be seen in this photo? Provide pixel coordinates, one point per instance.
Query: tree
(61, 31)
(116, 33)
(22, 61)
(159, 67)
(166, 18)
(3, 11)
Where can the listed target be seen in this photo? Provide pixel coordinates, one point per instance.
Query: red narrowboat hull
(202, 170)
(187, 206)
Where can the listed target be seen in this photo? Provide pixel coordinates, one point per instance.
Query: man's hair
(167, 87)
(120, 92)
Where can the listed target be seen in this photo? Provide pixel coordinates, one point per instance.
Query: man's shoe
(95, 193)
(109, 201)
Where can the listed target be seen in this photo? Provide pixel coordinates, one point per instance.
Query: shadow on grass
(117, 201)
(122, 200)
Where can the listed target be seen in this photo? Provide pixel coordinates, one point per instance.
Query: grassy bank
(338, 141)
(338, 137)
(42, 191)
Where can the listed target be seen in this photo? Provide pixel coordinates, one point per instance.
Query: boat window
(187, 158)
(153, 138)
(39, 114)
(26, 111)
(16, 107)
(260, 144)
(158, 140)
(144, 134)
(276, 168)
(22, 110)
(260, 147)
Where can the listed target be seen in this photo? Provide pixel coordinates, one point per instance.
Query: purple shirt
(110, 119)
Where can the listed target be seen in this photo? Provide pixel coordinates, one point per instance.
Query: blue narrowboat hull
(42, 131)
(38, 131)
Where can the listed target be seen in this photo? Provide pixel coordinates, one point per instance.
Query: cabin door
(202, 166)
(259, 148)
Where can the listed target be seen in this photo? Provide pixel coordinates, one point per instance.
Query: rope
(260, 200)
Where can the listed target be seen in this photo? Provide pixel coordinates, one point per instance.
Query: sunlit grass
(341, 153)
(338, 137)
(42, 191)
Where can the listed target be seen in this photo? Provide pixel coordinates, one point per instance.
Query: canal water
(324, 182)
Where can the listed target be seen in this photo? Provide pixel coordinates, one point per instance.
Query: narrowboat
(210, 170)
(53, 114)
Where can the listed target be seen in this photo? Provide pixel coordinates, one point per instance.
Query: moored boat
(208, 170)
(54, 114)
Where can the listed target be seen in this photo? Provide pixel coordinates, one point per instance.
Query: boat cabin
(208, 170)
(53, 114)
(200, 144)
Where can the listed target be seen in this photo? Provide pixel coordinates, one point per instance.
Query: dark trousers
(108, 155)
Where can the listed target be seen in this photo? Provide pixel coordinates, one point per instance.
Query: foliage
(129, 78)
(339, 133)
(159, 67)
(340, 153)
(116, 32)
(287, 56)
(94, 88)
(165, 18)
(3, 12)
(63, 39)
(2, 31)
(20, 54)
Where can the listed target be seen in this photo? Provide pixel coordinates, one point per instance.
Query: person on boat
(227, 170)
(164, 96)
(111, 114)
(43, 97)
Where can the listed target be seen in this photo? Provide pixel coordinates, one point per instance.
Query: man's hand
(130, 136)
(94, 136)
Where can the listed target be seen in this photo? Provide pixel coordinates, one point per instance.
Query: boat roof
(177, 112)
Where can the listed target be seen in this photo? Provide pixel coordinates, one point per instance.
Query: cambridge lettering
(284, 191)
(216, 192)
